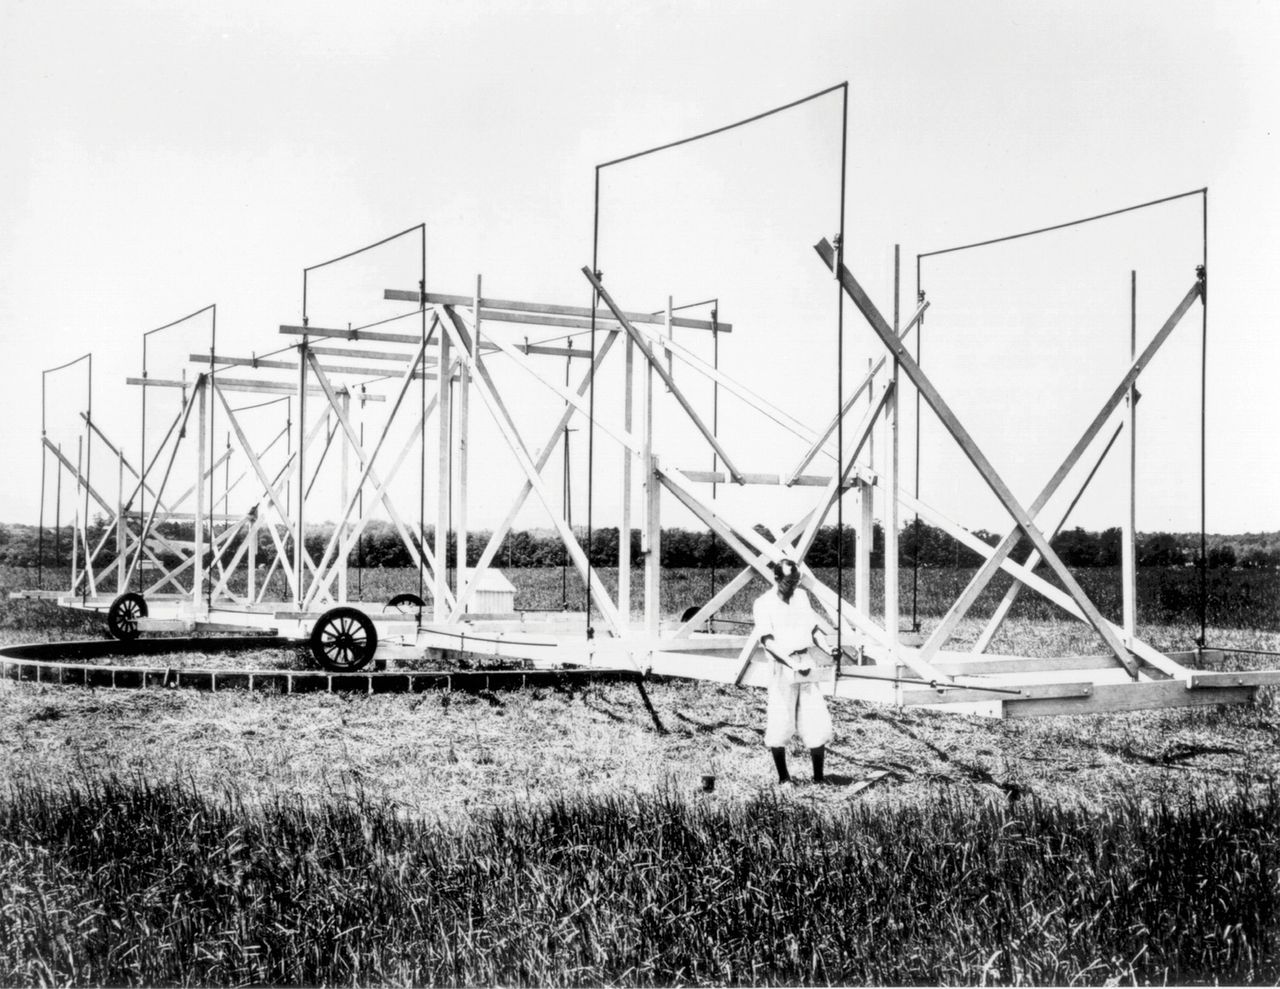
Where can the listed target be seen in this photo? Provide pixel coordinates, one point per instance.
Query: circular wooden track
(71, 664)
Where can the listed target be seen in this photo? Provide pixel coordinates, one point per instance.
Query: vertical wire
(360, 537)
(844, 146)
(715, 431)
(565, 492)
(422, 443)
(1204, 353)
(88, 472)
(44, 458)
(57, 516)
(142, 466)
(213, 418)
(591, 397)
(915, 556)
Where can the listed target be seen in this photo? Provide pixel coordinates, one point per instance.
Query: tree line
(918, 544)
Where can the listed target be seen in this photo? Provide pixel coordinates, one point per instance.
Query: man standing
(788, 628)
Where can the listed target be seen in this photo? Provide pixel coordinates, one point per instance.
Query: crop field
(558, 837)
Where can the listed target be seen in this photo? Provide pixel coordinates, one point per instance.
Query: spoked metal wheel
(343, 640)
(123, 615)
(405, 604)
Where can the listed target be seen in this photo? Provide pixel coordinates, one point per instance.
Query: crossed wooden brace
(1024, 518)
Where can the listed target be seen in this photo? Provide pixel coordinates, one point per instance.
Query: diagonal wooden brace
(1023, 518)
(665, 375)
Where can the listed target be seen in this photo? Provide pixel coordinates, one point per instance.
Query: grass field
(547, 836)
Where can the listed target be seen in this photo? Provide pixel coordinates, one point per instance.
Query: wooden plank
(915, 696)
(436, 298)
(624, 524)
(293, 365)
(665, 375)
(242, 385)
(1144, 695)
(974, 664)
(892, 616)
(1243, 678)
(718, 477)
(862, 549)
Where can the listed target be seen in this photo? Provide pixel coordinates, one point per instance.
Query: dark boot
(780, 761)
(818, 754)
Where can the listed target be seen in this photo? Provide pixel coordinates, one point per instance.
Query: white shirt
(791, 623)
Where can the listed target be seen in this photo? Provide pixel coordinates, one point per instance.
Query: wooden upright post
(1128, 543)
(299, 571)
(891, 496)
(252, 562)
(197, 528)
(624, 527)
(652, 512)
(443, 479)
(122, 544)
(344, 493)
(866, 528)
(464, 401)
(75, 529)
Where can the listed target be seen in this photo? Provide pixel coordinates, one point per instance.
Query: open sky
(158, 157)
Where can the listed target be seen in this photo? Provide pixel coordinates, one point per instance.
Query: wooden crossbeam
(491, 309)
(775, 480)
(243, 385)
(377, 336)
(293, 365)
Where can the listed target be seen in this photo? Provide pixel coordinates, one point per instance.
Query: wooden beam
(628, 457)
(435, 298)
(275, 365)
(241, 385)
(665, 375)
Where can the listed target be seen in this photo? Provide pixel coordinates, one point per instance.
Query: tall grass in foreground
(121, 882)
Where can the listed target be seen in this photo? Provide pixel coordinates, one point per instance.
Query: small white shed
(495, 595)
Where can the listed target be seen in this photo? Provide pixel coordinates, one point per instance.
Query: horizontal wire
(721, 130)
(1061, 226)
(182, 320)
(367, 247)
(68, 364)
(259, 405)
